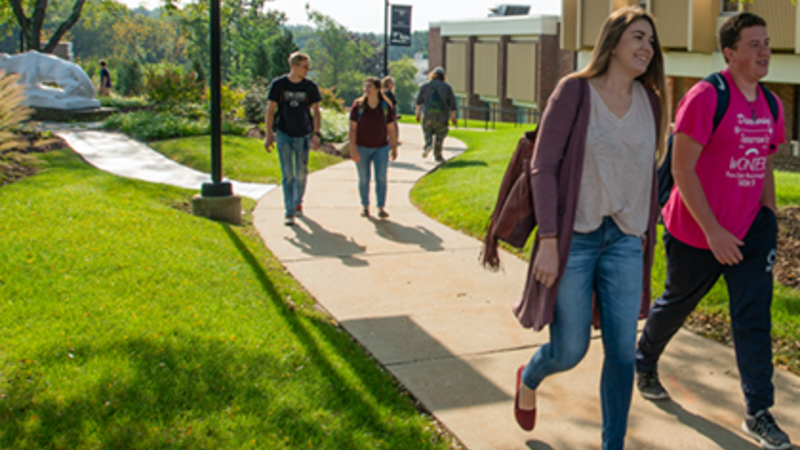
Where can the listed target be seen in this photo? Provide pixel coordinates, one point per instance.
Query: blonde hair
(297, 57)
(385, 82)
(653, 78)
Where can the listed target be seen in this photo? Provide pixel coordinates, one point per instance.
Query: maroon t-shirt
(371, 131)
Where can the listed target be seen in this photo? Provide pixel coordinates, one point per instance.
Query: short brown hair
(297, 57)
(731, 30)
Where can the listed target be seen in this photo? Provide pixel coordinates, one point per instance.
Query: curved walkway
(123, 156)
(412, 292)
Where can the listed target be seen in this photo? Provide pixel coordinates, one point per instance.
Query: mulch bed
(18, 163)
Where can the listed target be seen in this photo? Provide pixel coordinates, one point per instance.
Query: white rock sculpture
(34, 68)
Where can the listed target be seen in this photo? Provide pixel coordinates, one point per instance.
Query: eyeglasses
(306, 67)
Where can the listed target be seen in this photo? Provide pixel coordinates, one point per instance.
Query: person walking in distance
(105, 80)
(435, 105)
(387, 84)
(720, 220)
(372, 134)
(293, 123)
(593, 187)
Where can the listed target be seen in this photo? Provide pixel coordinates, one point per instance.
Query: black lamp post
(386, 38)
(217, 187)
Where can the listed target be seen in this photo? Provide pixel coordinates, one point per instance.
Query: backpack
(362, 107)
(434, 103)
(720, 83)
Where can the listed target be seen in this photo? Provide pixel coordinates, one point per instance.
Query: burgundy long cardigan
(556, 171)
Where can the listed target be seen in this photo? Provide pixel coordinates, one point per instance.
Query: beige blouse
(618, 166)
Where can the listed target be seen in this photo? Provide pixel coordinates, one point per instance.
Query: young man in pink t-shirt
(720, 221)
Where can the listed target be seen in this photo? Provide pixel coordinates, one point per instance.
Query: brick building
(688, 33)
(509, 63)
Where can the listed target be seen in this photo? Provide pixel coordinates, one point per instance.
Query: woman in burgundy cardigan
(593, 187)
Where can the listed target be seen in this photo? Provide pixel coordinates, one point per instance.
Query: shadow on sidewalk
(318, 241)
(719, 435)
(402, 234)
(431, 372)
(407, 166)
(538, 445)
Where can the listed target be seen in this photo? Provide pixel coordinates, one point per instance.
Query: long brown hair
(362, 101)
(653, 78)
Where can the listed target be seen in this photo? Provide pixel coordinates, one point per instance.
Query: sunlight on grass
(244, 159)
(128, 323)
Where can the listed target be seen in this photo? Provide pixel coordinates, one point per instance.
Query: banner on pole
(401, 26)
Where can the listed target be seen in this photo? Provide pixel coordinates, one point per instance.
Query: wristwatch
(318, 134)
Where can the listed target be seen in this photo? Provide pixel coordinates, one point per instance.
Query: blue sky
(367, 15)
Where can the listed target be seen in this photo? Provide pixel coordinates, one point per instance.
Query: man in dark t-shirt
(293, 123)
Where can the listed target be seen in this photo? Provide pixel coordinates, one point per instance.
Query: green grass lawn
(462, 194)
(126, 323)
(243, 159)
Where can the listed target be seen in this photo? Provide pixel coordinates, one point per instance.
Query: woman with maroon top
(372, 134)
(593, 187)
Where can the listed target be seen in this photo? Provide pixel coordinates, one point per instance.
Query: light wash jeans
(378, 157)
(609, 263)
(293, 154)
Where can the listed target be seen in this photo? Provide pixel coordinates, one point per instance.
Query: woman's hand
(354, 154)
(545, 264)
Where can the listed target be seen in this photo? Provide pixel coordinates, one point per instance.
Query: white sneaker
(288, 221)
(427, 151)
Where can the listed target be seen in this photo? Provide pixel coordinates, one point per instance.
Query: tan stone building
(688, 33)
(505, 63)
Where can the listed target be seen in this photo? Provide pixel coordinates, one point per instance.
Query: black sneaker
(650, 387)
(762, 427)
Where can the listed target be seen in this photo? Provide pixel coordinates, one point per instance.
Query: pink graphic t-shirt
(732, 164)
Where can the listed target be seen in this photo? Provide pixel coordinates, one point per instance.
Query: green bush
(157, 125)
(167, 83)
(335, 125)
(130, 78)
(116, 101)
(255, 103)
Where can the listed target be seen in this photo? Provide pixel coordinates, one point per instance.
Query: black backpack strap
(723, 96)
(771, 100)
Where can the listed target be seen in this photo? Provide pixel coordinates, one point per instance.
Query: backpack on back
(435, 103)
(720, 83)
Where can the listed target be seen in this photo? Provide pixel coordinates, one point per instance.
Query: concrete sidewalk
(123, 156)
(412, 292)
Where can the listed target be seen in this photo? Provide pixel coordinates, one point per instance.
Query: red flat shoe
(525, 419)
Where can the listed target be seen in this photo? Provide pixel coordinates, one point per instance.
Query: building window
(729, 6)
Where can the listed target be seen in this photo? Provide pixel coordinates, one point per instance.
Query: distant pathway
(118, 154)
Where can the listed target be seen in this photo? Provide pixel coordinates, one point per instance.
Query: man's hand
(393, 155)
(545, 265)
(419, 117)
(725, 246)
(315, 142)
(454, 121)
(269, 142)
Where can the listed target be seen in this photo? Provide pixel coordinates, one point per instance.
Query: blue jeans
(293, 153)
(691, 273)
(379, 157)
(608, 263)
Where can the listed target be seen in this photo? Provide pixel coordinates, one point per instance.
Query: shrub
(255, 103)
(171, 84)
(12, 110)
(129, 80)
(335, 125)
(116, 101)
(330, 100)
(157, 125)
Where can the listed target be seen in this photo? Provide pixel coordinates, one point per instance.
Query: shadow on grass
(459, 163)
(184, 391)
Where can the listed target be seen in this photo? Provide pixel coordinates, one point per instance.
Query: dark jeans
(691, 273)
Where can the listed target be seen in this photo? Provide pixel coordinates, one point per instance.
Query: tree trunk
(31, 27)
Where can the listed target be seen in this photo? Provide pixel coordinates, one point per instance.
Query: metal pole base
(221, 189)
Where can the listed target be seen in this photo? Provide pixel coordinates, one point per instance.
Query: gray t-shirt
(436, 99)
(617, 176)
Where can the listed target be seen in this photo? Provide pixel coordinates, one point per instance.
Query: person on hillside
(720, 221)
(372, 135)
(594, 195)
(295, 127)
(105, 80)
(435, 105)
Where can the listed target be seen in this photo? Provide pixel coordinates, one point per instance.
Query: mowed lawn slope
(126, 323)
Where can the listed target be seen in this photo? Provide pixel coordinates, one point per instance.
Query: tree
(282, 47)
(404, 73)
(333, 51)
(32, 26)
